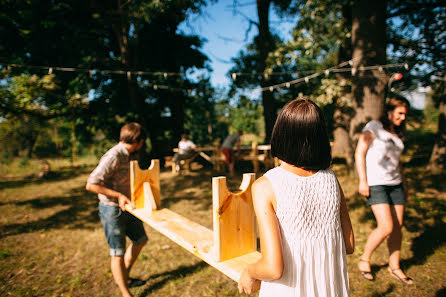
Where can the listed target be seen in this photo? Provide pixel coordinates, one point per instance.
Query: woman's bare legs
(394, 241)
(384, 228)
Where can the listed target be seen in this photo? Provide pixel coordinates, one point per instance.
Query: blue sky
(226, 33)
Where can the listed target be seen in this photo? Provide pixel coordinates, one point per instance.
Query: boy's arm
(99, 189)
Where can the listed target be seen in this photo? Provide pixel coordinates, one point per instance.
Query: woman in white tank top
(381, 180)
(305, 230)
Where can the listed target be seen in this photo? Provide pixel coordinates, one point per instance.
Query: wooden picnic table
(213, 154)
(248, 153)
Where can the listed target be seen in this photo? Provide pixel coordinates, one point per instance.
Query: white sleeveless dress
(313, 250)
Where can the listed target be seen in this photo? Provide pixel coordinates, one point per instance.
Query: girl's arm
(364, 142)
(346, 225)
(270, 265)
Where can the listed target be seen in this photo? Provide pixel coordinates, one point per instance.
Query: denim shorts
(117, 224)
(392, 195)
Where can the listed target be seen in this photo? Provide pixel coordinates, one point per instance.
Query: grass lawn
(52, 243)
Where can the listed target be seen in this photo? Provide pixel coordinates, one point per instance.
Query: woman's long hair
(392, 103)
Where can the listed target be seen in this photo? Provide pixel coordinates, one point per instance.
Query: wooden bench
(217, 158)
(184, 164)
(229, 247)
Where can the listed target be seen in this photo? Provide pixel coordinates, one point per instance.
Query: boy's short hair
(132, 133)
(300, 136)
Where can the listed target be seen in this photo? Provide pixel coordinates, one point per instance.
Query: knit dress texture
(313, 250)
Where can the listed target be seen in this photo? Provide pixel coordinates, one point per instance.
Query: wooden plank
(264, 147)
(206, 157)
(234, 220)
(195, 238)
(137, 179)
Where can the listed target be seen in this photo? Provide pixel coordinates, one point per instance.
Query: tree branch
(37, 114)
(414, 7)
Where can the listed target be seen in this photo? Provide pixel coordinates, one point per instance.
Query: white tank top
(313, 250)
(383, 156)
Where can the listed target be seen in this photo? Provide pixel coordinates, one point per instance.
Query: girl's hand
(364, 189)
(248, 284)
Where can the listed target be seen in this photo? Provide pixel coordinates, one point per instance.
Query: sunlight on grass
(52, 242)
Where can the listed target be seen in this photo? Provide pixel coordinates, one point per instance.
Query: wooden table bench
(229, 247)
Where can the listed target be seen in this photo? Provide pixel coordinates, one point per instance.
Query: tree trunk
(129, 59)
(342, 145)
(265, 47)
(437, 163)
(369, 48)
(177, 110)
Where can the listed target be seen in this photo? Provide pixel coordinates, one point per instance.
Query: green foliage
(23, 162)
(102, 146)
(140, 35)
(417, 36)
(200, 115)
(5, 253)
(248, 117)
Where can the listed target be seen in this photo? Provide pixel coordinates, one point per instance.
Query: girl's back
(308, 211)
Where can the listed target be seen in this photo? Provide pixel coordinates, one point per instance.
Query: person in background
(382, 181)
(111, 181)
(186, 150)
(228, 149)
(304, 225)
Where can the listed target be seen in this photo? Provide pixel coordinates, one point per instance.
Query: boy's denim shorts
(117, 224)
(393, 195)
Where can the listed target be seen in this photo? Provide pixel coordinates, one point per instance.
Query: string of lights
(333, 69)
(340, 68)
(50, 70)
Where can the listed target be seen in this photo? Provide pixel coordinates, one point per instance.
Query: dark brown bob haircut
(132, 133)
(300, 136)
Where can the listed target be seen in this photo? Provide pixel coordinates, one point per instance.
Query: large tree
(127, 36)
(369, 48)
(254, 60)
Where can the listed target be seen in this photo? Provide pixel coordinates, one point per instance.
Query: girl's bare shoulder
(262, 187)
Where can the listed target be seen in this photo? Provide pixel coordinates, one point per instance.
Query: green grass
(52, 243)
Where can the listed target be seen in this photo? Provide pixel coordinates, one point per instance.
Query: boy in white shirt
(186, 150)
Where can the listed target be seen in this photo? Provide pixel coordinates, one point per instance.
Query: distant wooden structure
(213, 154)
(229, 247)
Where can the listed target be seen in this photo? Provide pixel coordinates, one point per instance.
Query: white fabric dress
(313, 250)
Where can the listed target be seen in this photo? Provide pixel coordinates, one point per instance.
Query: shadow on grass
(183, 187)
(441, 292)
(389, 290)
(59, 175)
(157, 281)
(81, 212)
(426, 244)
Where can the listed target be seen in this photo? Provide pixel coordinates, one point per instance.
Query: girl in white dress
(304, 225)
